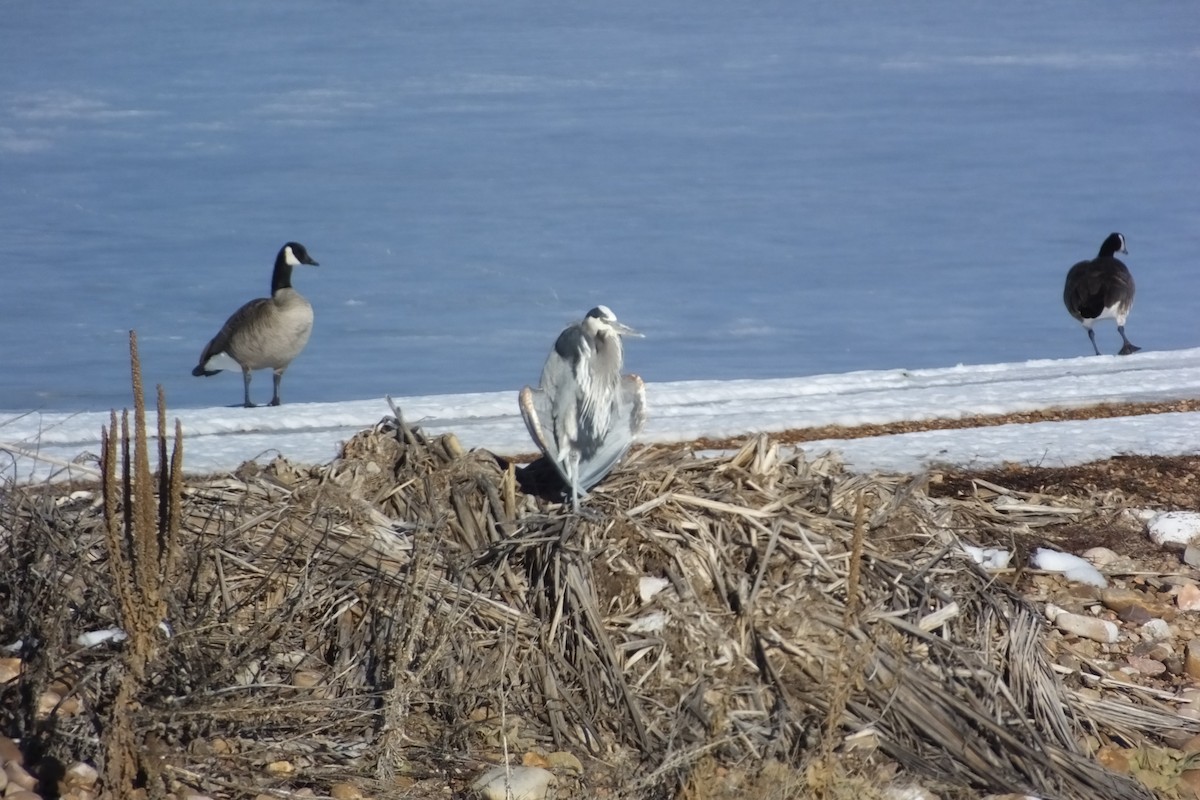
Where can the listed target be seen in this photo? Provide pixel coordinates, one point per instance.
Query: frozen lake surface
(774, 191)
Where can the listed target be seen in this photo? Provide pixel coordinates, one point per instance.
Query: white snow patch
(988, 557)
(1073, 567)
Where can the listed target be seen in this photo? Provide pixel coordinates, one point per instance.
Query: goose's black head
(294, 254)
(1115, 243)
(290, 255)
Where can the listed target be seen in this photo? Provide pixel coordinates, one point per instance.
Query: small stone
(1100, 556)
(1131, 605)
(565, 761)
(47, 703)
(80, 776)
(1191, 555)
(1188, 598)
(1157, 650)
(1147, 666)
(1098, 630)
(10, 669)
(1192, 659)
(514, 783)
(9, 752)
(1190, 779)
(345, 791)
(307, 678)
(1156, 630)
(18, 776)
(1114, 758)
(279, 768)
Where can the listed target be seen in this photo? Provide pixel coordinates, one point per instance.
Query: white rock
(988, 557)
(1073, 567)
(514, 783)
(1174, 527)
(1156, 630)
(1098, 630)
(648, 587)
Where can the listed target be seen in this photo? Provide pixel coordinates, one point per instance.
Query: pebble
(1113, 757)
(1147, 666)
(514, 783)
(1188, 598)
(1190, 778)
(10, 669)
(1101, 556)
(345, 791)
(1131, 605)
(566, 761)
(80, 776)
(18, 776)
(1156, 630)
(280, 768)
(1191, 663)
(9, 751)
(1098, 630)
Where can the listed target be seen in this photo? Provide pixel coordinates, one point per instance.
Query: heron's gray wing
(535, 407)
(628, 418)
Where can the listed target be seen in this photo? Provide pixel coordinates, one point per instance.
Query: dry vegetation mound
(757, 624)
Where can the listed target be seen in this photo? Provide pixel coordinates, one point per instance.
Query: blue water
(783, 190)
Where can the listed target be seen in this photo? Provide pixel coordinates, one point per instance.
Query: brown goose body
(265, 333)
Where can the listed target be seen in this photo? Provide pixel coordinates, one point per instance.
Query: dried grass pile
(404, 614)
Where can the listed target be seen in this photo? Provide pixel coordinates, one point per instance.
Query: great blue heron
(1102, 289)
(266, 333)
(585, 413)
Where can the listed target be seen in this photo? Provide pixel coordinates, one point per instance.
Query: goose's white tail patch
(222, 361)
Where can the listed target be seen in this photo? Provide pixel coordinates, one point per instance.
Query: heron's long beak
(625, 330)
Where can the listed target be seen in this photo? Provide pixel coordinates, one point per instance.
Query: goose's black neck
(1114, 244)
(281, 278)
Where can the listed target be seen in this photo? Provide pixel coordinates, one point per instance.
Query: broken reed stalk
(844, 684)
(142, 551)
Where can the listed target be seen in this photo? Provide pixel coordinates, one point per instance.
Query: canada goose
(1102, 289)
(266, 333)
(585, 413)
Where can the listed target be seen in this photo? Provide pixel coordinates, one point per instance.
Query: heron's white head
(601, 319)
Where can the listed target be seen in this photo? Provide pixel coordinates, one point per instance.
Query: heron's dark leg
(275, 397)
(246, 385)
(1092, 336)
(1129, 347)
